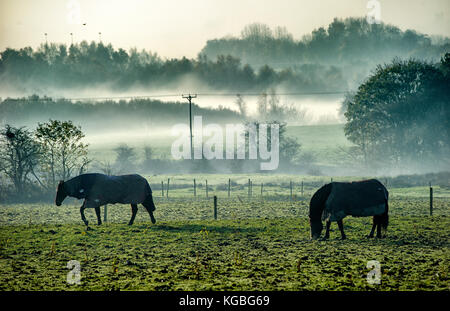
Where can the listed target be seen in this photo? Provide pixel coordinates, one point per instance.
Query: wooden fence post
(290, 190)
(162, 188)
(195, 189)
(302, 188)
(249, 188)
(167, 190)
(431, 200)
(215, 207)
(105, 213)
(229, 187)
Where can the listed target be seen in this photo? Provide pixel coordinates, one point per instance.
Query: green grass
(254, 245)
(251, 254)
(319, 137)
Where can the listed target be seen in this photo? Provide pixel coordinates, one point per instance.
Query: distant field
(319, 137)
(322, 140)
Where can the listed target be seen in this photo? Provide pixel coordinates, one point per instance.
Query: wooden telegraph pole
(189, 98)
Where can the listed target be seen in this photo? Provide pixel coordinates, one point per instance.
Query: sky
(181, 28)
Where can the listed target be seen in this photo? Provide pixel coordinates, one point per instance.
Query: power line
(276, 94)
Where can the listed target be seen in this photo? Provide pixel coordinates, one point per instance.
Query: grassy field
(256, 244)
(322, 140)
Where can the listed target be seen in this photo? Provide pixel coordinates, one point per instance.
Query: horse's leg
(152, 218)
(327, 232)
(374, 224)
(341, 228)
(133, 213)
(82, 208)
(379, 229)
(97, 212)
(150, 207)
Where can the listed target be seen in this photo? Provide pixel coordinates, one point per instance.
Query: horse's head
(316, 228)
(61, 193)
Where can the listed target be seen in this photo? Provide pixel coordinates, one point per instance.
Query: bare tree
(262, 106)
(242, 105)
(106, 167)
(125, 158)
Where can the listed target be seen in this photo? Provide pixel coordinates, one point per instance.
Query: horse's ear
(61, 182)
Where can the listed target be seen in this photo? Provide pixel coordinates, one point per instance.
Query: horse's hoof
(88, 228)
(369, 236)
(343, 238)
(324, 239)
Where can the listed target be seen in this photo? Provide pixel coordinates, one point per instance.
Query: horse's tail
(385, 216)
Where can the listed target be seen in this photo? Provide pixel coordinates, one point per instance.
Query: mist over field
(133, 98)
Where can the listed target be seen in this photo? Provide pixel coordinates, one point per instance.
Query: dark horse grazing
(336, 200)
(99, 189)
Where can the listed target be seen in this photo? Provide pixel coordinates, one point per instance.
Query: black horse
(336, 200)
(99, 189)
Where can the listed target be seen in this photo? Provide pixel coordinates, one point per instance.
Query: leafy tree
(401, 112)
(64, 152)
(19, 156)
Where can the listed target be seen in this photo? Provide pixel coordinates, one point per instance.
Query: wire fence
(203, 199)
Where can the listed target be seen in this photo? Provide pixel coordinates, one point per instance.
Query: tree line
(56, 66)
(103, 115)
(346, 50)
(349, 41)
(336, 57)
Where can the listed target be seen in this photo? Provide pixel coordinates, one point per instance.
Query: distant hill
(352, 46)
